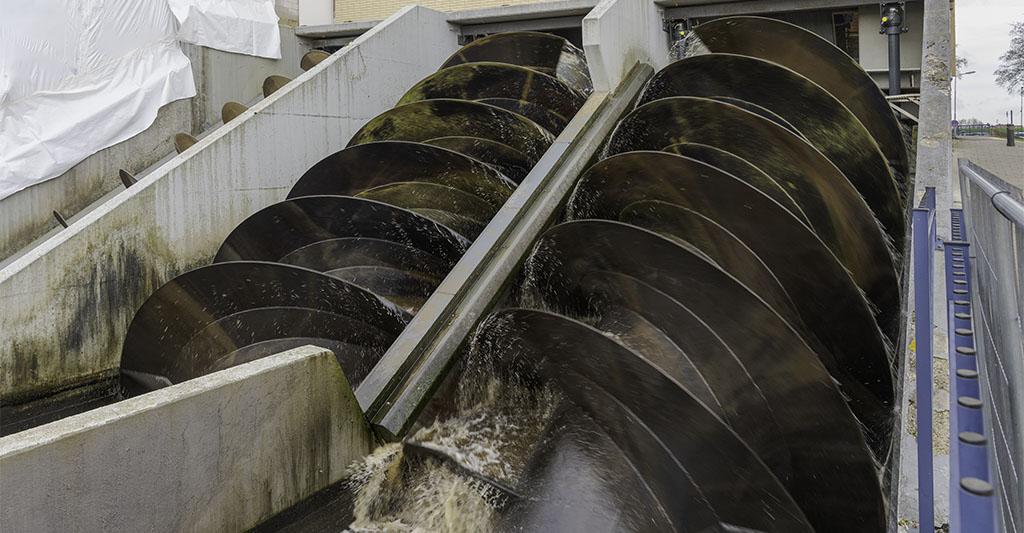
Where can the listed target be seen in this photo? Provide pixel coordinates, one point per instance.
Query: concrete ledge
(533, 11)
(341, 29)
(68, 302)
(618, 34)
(219, 453)
(466, 17)
(933, 168)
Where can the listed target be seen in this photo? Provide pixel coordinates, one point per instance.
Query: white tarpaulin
(240, 26)
(77, 76)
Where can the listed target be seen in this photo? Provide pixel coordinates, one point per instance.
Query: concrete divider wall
(218, 453)
(67, 304)
(25, 216)
(619, 33)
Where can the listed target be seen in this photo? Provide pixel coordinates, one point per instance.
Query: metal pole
(894, 63)
(1009, 130)
(892, 25)
(922, 264)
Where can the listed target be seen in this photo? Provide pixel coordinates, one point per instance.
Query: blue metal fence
(971, 501)
(972, 506)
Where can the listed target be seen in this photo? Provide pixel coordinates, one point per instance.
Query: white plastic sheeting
(78, 76)
(240, 26)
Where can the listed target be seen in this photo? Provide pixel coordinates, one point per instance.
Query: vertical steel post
(1009, 130)
(922, 257)
(894, 63)
(892, 27)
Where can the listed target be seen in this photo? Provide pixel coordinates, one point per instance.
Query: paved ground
(992, 154)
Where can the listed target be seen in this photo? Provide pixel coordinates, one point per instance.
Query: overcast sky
(982, 35)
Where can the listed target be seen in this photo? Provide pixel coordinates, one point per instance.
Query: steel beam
(681, 9)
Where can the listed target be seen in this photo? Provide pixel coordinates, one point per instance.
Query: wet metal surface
(543, 52)
(641, 409)
(698, 318)
(366, 234)
(429, 119)
(838, 214)
(709, 209)
(487, 81)
(823, 120)
(815, 58)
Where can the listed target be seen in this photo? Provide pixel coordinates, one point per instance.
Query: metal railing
(971, 503)
(985, 293)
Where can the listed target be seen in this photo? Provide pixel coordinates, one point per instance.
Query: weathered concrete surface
(68, 302)
(220, 76)
(27, 214)
(219, 453)
(224, 76)
(934, 164)
(617, 34)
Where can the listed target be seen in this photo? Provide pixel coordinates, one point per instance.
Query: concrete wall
(220, 76)
(219, 453)
(619, 33)
(358, 10)
(26, 215)
(316, 12)
(224, 76)
(68, 302)
(287, 12)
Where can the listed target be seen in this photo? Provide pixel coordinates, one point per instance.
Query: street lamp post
(957, 77)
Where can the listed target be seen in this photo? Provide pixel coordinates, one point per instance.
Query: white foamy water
(492, 431)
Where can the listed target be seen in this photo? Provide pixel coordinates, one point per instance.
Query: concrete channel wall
(68, 302)
(25, 216)
(219, 453)
(617, 34)
(933, 168)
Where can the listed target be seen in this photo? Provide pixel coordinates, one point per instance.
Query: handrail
(1001, 199)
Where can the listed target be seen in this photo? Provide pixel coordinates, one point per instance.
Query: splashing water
(492, 429)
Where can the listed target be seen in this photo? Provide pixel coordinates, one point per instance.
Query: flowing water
(489, 427)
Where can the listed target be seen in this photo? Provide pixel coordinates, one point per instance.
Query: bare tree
(1010, 73)
(961, 65)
